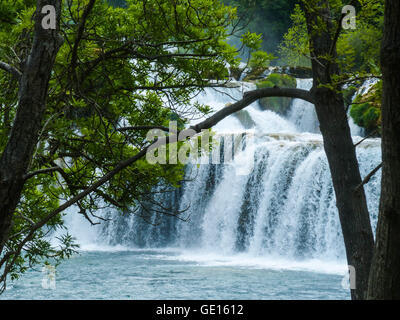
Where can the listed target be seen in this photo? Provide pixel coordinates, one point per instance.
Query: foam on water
(246, 260)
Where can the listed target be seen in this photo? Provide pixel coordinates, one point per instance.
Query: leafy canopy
(123, 65)
(358, 52)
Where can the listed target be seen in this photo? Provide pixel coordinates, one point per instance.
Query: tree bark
(16, 157)
(340, 151)
(384, 282)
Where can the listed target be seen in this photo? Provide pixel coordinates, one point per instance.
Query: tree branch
(363, 139)
(10, 69)
(249, 97)
(41, 171)
(135, 128)
(81, 28)
(368, 177)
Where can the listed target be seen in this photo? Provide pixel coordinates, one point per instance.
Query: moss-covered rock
(366, 109)
(245, 119)
(277, 104)
(298, 72)
(252, 76)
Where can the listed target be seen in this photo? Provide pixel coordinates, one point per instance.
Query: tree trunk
(384, 282)
(16, 157)
(341, 154)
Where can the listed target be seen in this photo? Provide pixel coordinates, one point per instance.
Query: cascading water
(283, 207)
(262, 225)
(302, 113)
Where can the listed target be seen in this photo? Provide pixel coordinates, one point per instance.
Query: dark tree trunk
(15, 160)
(384, 282)
(341, 154)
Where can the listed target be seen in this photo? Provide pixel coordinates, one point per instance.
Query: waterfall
(304, 116)
(302, 113)
(283, 207)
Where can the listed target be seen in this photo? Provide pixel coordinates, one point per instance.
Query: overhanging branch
(249, 98)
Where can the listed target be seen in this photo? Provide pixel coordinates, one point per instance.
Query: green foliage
(357, 50)
(138, 63)
(266, 17)
(10, 13)
(260, 61)
(277, 79)
(277, 104)
(294, 49)
(366, 109)
(365, 115)
(252, 40)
